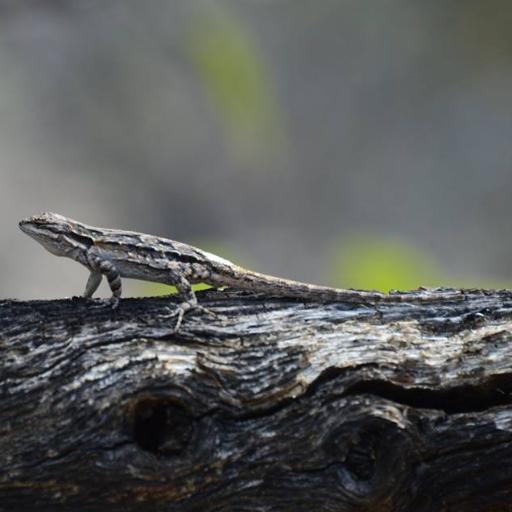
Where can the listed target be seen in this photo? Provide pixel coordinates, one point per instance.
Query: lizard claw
(180, 312)
(204, 310)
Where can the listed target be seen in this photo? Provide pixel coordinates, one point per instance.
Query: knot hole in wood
(161, 426)
(367, 454)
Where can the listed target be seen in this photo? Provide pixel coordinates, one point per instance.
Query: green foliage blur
(231, 68)
(385, 263)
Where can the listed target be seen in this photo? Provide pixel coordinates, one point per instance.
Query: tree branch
(274, 405)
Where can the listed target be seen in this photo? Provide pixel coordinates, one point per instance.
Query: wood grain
(273, 405)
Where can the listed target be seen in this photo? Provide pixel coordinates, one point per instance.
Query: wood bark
(272, 405)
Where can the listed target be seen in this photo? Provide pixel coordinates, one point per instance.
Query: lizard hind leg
(189, 302)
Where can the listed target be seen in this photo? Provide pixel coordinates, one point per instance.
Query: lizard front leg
(101, 267)
(92, 283)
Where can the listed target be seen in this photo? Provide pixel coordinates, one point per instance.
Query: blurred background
(355, 143)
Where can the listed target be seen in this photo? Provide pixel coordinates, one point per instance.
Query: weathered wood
(274, 405)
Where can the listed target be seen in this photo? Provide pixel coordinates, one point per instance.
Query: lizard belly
(144, 272)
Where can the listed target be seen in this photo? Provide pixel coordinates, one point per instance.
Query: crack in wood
(467, 398)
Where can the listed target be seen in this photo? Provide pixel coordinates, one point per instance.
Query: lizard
(116, 253)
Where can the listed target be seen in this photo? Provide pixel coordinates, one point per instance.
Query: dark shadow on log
(273, 405)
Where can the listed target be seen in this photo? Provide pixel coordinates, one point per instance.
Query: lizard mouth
(43, 235)
(29, 226)
(26, 225)
(36, 230)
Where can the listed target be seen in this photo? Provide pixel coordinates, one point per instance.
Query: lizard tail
(276, 286)
(280, 287)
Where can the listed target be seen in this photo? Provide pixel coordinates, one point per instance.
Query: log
(272, 405)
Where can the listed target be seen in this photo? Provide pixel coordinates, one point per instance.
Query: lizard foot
(112, 302)
(186, 307)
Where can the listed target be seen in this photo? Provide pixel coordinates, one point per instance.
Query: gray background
(345, 142)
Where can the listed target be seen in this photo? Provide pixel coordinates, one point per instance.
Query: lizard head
(57, 234)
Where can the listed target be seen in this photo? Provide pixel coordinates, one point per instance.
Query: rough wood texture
(274, 405)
